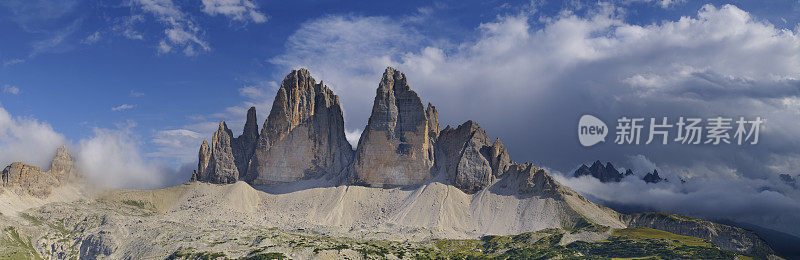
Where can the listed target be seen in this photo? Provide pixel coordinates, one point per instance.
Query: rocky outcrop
(244, 146)
(527, 179)
(395, 147)
(727, 237)
(221, 167)
(204, 158)
(468, 158)
(62, 167)
(607, 173)
(303, 137)
(653, 177)
(23, 178)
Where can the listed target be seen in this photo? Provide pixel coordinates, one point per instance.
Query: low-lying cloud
(28, 140)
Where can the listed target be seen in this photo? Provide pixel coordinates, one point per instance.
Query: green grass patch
(14, 246)
(136, 203)
(649, 233)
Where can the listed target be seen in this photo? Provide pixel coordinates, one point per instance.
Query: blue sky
(134, 86)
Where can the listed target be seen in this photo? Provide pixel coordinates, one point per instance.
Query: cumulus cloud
(353, 136)
(111, 157)
(9, 89)
(27, 140)
(122, 107)
(239, 10)
(521, 67)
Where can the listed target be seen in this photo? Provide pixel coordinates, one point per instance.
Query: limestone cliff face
(204, 158)
(23, 178)
(244, 146)
(221, 165)
(463, 155)
(395, 147)
(469, 159)
(303, 137)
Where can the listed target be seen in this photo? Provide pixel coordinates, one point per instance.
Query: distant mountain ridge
(609, 173)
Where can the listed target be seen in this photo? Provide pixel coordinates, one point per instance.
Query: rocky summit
(402, 144)
(605, 173)
(23, 178)
(303, 137)
(396, 147)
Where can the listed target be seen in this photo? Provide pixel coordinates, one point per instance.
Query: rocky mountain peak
(303, 136)
(607, 173)
(222, 165)
(23, 178)
(63, 165)
(395, 147)
(653, 177)
(293, 104)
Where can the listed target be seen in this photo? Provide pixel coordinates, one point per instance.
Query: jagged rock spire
(204, 158)
(244, 146)
(395, 147)
(303, 137)
(221, 166)
(62, 167)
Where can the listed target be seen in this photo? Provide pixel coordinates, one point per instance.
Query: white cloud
(181, 144)
(9, 89)
(92, 38)
(745, 200)
(27, 140)
(12, 62)
(111, 158)
(123, 107)
(239, 10)
(135, 94)
(353, 137)
(180, 33)
(126, 26)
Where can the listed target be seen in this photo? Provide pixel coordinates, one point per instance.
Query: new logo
(591, 130)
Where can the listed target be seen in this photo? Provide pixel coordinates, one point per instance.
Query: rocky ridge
(609, 173)
(23, 178)
(402, 144)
